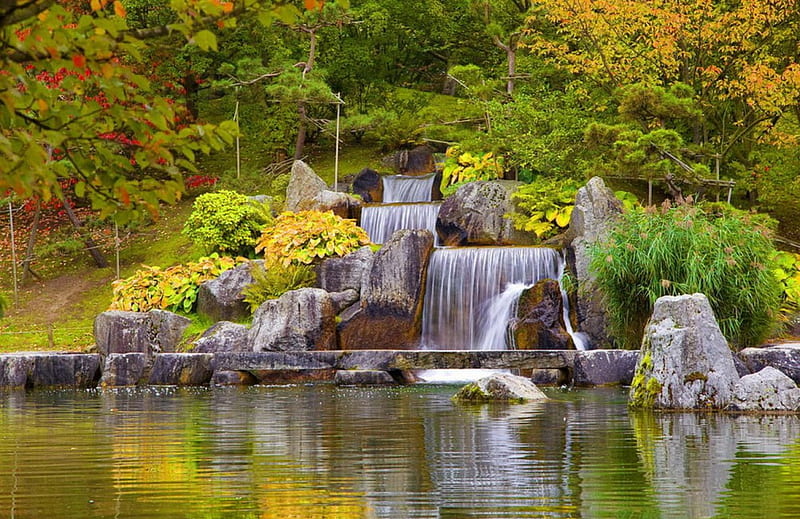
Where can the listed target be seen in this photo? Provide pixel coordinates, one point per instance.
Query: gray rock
(150, 332)
(301, 319)
(363, 378)
(390, 315)
(221, 299)
(596, 210)
(502, 387)
(233, 378)
(549, 377)
(14, 369)
(343, 299)
(222, 336)
(418, 161)
(303, 186)
(766, 390)
(181, 369)
(368, 184)
(341, 204)
(604, 367)
(539, 324)
(685, 361)
(49, 370)
(474, 215)
(347, 272)
(123, 369)
(785, 357)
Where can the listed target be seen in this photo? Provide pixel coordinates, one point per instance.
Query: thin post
(13, 253)
(336, 155)
(716, 167)
(238, 149)
(730, 190)
(649, 192)
(116, 245)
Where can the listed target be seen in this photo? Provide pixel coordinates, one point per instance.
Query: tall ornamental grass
(724, 254)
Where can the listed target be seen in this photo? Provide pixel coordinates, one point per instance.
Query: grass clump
(273, 280)
(718, 251)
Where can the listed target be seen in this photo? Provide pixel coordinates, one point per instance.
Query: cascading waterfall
(406, 189)
(462, 284)
(381, 221)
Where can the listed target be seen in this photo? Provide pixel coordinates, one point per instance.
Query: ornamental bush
(174, 288)
(544, 206)
(227, 222)
(720, 252)
(308, 236)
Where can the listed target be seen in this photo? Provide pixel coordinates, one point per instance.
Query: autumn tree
(72, 107)
(504, 23)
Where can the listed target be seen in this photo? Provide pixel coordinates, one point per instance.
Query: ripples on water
(325, 452)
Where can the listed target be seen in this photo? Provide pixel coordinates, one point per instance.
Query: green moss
(691, 377)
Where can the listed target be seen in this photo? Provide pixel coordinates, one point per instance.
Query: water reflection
(315, 452)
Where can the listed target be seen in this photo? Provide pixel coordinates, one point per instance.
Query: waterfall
(402, 188)
(381, 221)
(462, 284)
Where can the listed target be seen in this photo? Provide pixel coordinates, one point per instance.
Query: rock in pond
(685, 361)
(181, 369)
(765, 391)
(358, 377)
(49, 370)
(785, 357)
(152, 332)
(222, 336)
(500, 387)
(299, 320)
(604, 367)
(233, 378)
(123, 369)
(539, 324)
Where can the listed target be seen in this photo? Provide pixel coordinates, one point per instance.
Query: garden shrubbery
(713, 249)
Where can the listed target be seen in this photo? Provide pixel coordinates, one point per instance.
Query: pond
(326, 452)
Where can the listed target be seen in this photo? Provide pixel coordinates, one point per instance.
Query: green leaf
(206, 40)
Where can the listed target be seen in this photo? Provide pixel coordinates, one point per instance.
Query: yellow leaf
(119, 9)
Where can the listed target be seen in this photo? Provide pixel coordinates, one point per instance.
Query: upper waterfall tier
(463, 282)
(401, 188)
(381, 221)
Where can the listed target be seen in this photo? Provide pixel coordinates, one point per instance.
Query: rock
(49, 370)
(233, 378)
(301, 319)
(419, 161)
(181, 369)
(474, 215)
(539, 324)
(685, 361)
(766, 390)
(549, 377)
(390, 314)
(301, 376)
(604, 367)
(123, 369)
(502, 387)
(368, 184)
(14, 369)
(303, 186)
(596, 210)
(347, 272)
(150, 332)
(357, 377)
(221, 299)
(222, 336)
(343, 299)
(340, 204)
(785, 357)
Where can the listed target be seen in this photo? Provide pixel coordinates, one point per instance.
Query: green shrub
(308, 236)
(274, 279)
(724, 255)
(227, 222)
(786, 267)
(463, 167)
(174, 288)
(544, 206)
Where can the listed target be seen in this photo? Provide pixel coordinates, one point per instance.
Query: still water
(326, 452)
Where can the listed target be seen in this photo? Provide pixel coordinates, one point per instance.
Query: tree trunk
(511, 57)
(301, 131)
(91, 246)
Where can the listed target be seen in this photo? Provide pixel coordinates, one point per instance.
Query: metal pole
(238, 151)
(13, 254)
(336, 156)
(116, 244)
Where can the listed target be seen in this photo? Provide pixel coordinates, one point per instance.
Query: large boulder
(419, 161)
(764, 391)
(123, 369)
(474, 215)
(596, 211)
(500, 387)
(359, 377)
(223, 336)
(685, 361)
(303, 186)
(181, 369)
(539, 324)
(221, 299)
(49, 370)
(390, 313)
(299, 320)
(347, 272)
(368, 184)
(156, 331)
(604, 367)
